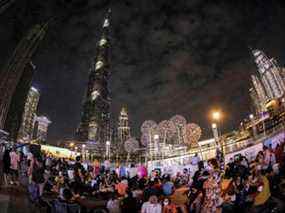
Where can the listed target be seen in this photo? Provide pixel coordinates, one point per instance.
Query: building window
(99, 64)
(106, 23)
(94, 94)
(102, 42)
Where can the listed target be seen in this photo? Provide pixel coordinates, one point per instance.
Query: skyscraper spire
(95, 120)
(123, 126)
(270, 74)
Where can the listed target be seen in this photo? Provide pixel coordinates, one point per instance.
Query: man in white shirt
(151, 206)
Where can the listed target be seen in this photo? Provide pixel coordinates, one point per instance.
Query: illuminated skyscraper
(5, 4)
(12, 72)
(17, 106)
(269, 74)
(260, 92)
(27, 126)
(258, 106)
(123, 126)
(41, 128)
(95, 119)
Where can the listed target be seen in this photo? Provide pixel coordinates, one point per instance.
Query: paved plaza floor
(15, 200)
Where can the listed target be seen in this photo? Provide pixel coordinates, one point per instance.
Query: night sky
(168, 57)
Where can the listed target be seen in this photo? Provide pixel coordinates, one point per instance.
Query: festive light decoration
(180, 123)
(145, 140)
(179, 120)
(193, 134)
(166, 129)
(148, 125)
(131, 145)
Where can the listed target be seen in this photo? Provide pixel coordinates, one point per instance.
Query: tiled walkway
(13, 200)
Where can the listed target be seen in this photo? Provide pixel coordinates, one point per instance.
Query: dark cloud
(181, 57)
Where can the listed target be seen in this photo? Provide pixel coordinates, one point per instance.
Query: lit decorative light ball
(131, 145)
(147, 126)
(178, 120)
(166, 128)
(145, 140)
(193, 134)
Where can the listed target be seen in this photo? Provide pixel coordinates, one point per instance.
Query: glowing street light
(251, 116)
(216, 115)
(71, 144)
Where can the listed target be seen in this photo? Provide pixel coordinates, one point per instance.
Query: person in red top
(122, 187)
(168, 207)
(157, 184)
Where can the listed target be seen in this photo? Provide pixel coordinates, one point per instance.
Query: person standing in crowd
(78, 166)
(15, 160)
(195, 160)
(122, 187)
(38, 174)
(211, 197)
(2, 150)
(133, 171)
(179, 197)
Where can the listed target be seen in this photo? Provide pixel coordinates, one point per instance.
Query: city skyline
(190, 79)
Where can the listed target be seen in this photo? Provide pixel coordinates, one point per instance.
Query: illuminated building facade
(17, 106)
(12, 72)
(259, 94)
(258, 106)
(41, 128)
(124, 132)
(27, 126)
(269, 74)
(95, 119)
(5, 4)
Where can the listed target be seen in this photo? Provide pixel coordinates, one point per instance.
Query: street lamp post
(251, 117)
(108, 143)
(156, 141)
(216, 117)
(83, 151)
(215, 133)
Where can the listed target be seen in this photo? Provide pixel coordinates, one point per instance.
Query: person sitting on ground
(167, 186)
(168, 206)
(129, 203)
(122, 187)
(263, 190)
(113, 204)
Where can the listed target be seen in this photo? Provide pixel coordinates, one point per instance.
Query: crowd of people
(70, 186)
